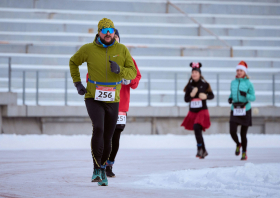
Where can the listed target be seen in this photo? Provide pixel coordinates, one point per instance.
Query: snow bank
(26, 142)
(250, 180)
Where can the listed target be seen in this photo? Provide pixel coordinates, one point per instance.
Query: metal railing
(148, 83)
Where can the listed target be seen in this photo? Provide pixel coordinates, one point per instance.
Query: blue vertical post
(65, 99)
(175, 87)
(10, 74)
(273, 89)
(23, 87)
(218, 90)
(37, 88)
(149, 89)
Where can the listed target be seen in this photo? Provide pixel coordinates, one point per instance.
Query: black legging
(104, 117)
(116, 141)
(233, 133)
(198, 135)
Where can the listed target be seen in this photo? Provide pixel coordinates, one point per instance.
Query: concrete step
(14, 13)
(139, 28)
(259, 1)
(231, 7)
(155, 61)
(86, 26)
(141, 50)
(135, 49)
(140, 38)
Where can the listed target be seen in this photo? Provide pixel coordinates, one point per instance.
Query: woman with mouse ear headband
(197, 92)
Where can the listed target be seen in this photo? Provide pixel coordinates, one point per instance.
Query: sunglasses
(105, 30)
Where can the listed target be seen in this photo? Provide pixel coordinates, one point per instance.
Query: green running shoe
(237, 151)
(244, 156)
(96, 176)
(104, 181)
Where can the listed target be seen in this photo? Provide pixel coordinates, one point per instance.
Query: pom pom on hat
(243, 66)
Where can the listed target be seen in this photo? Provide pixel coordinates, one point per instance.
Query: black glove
(230, 100)
(242, 93)
(114, 67)
(80, 87)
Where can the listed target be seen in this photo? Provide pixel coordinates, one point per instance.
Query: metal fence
(147, 82)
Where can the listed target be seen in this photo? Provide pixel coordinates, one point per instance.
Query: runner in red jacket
(123, 109)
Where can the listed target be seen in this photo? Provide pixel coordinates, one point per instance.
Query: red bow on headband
(195, 65)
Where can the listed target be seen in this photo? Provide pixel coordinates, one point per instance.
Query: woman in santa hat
(197, 91)
(242, 92)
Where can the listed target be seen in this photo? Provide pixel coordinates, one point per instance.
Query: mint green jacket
(242, 84)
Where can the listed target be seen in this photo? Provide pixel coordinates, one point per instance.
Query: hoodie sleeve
(75, 61)
(134, 83)
(128, 71)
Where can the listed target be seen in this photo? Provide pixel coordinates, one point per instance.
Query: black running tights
(116, 141)
(233, 133)
(104, 117)
(198, 135)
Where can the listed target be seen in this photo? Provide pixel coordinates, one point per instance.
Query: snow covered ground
(27, 142)
(146, 166)
(250, 180)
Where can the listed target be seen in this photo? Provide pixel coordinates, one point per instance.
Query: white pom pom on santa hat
(243, 66)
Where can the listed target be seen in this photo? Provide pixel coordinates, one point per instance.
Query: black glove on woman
(230, 100)
(80, 88)
(242, 93)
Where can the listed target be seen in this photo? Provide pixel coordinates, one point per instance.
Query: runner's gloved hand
(114, 67)
(126, 82)
(194, 91)
(202, 96)
(230, 100)
(80, 88)
(242, 93)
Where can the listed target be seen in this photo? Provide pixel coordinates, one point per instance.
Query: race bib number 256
(105, 93)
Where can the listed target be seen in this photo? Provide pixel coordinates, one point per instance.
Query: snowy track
(147, 172)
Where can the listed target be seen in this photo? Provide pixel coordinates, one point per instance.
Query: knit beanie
(105, 23)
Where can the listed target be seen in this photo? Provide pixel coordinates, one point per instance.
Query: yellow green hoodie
(97, 58)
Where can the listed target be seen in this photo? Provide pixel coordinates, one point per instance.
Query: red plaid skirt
(202, 117)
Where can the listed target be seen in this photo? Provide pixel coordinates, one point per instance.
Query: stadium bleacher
(41, 35)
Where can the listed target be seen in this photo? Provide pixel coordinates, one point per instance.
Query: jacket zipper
(238, 90)
(106, 65)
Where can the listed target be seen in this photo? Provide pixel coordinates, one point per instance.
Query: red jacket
(125, 90)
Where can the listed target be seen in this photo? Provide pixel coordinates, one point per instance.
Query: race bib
(239, 111)
(196, 103)
(121, 118)
(105, 93)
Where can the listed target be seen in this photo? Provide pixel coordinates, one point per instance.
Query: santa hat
(243, 66)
